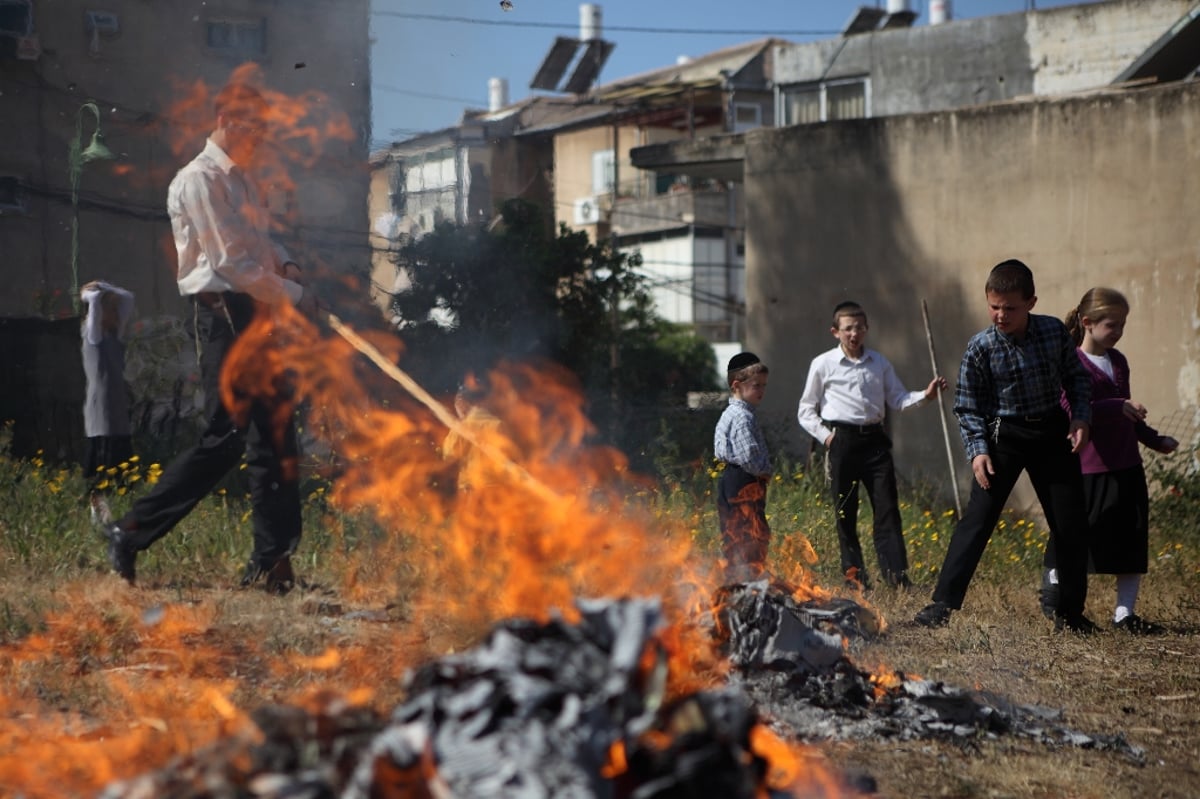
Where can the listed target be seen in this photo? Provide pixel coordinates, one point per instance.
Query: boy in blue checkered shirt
(1013, 377)
(739, 444)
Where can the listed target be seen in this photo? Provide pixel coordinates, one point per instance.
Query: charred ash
(533, 711)
(538, 710)
(790, 659)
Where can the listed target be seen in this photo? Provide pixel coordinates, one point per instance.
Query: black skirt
(104, 452)
(1118, 506)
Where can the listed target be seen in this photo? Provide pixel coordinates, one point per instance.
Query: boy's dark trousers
(1039, 447)
(274, 488)
(862, 455)
(742, 511)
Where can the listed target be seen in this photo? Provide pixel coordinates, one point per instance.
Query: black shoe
(1048, 595)
(1136, 625)
(279, 579)
(935, 614)
(1080, 625)
(121, 555)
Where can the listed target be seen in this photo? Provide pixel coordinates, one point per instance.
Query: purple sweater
(1113, 443)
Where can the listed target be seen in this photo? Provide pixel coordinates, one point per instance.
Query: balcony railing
(678, 208)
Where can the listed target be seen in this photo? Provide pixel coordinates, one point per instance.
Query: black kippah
(742, 360)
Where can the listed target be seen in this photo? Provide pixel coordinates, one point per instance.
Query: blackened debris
(791, 661)
(536, 710)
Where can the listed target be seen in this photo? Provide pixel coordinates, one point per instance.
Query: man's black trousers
(270, 454)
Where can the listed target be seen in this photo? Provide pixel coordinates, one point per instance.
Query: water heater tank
(497, 93)
(589, 22)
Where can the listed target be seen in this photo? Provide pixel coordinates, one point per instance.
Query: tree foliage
(515, 292)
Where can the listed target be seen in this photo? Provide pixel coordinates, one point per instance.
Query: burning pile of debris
(579, 710)
(791, 660)
(536, 710)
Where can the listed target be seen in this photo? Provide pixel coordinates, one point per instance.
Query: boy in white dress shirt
(846, 396)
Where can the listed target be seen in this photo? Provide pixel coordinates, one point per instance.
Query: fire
(546, 519)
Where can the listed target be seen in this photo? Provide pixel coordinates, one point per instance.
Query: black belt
(861, 429)
(1040, 418)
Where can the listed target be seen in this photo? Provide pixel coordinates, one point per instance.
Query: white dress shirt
(222, 232)
(856, 391)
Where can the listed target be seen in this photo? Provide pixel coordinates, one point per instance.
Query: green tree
(515, 292)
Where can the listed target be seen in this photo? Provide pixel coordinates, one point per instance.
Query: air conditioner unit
(587, 211)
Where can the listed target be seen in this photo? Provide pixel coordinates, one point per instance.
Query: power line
(514, 23)
(425, 95)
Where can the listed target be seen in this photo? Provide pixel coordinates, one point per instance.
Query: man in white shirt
(229, 269)
(846, 397)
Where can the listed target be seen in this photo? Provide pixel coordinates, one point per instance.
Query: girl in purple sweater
(1114, 481)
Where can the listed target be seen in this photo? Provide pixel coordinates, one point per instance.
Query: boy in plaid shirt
(742, 492)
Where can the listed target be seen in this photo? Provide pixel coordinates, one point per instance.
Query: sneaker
(1080, 625)
(1136, 625)
(1048, 596)
(121, 555)
(935, 614)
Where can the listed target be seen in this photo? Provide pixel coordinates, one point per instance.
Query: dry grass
(103, 681)
(115, 666)
(1144, 688)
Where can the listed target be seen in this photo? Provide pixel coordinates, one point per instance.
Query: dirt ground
(1144, 688)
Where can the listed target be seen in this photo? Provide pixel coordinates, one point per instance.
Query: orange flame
(544, 518)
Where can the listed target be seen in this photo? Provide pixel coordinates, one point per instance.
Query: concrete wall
(573, 168)
(1088, 45)
(316, 50)
(1097, 190)
(986, 59)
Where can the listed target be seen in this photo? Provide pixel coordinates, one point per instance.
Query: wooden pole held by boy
(942, 412)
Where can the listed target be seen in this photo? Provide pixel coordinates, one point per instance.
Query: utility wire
(424, 95)
(515, 23)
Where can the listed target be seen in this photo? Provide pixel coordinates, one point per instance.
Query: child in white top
(106, 403)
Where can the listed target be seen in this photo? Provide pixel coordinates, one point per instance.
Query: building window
(12, 195)
(746, 116)
(16, 23)
(238, 37)
(604, 172)
(822, 102)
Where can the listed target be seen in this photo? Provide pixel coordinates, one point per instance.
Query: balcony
(680, 207)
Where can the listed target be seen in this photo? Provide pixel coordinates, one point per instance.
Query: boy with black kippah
(742, 491)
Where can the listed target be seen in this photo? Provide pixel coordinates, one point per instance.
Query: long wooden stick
(444, 416)
(942, 412)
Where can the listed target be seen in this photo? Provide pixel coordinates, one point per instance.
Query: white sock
(1053, 577)
(1127, 592)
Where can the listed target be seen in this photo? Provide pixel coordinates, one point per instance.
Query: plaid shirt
(739, 440)
(1005, 378)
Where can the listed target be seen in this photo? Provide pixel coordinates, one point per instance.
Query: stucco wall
(1098, 190)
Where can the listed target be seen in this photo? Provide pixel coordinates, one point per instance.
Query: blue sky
(426, 71)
